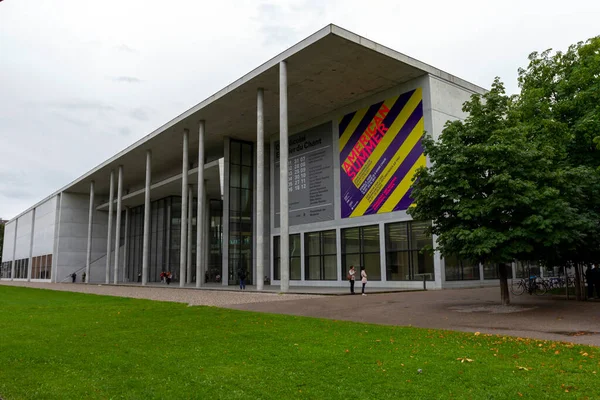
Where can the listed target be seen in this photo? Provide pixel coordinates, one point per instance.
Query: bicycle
(531, 285)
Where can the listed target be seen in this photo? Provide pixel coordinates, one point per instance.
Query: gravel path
(193, 297)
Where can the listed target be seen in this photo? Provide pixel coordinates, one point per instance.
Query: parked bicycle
(532, 285)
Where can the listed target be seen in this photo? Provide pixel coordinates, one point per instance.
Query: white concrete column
(260, 190)
(30, 262)
(118, 223)
(125, 246)
(338, 248)
(146, 239)
(206, 230)
(184, 209)
(88, 256)
(110, 218)
(200, 239)
(12, 265)
(189, 234)
(382, 254)
(284, 240)
(168, 239)
(226, 201)
(56, 247)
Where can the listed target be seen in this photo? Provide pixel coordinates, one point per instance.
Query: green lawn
(60, 345)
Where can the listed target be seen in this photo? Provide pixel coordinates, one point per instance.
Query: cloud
(139, 114)
(126, 49)
(14, 184)
(275, 33)
(73, 121)
(81, 105)
(16, 193)
(124, 131)
(127, 79)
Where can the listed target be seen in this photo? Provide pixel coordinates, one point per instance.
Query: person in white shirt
(351, 277)
(363, 275)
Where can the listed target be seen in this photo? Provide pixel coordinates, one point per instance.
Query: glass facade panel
(320, 255)
(460, 270)
(295, 258)
(241, 207)
(5, 270)
(360, 248)
(406, 258)
(165, 221)
(525, 269)
(215, 261)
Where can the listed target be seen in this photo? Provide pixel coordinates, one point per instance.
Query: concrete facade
(328, 75)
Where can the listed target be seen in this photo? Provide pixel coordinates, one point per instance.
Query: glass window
(295, 258)
(490, 271)
(406, 255)
(360, 247)
(460, 270)
(320, 255)
(526, 269)
(241, 201)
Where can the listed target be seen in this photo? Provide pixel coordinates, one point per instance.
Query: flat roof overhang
(326, 71)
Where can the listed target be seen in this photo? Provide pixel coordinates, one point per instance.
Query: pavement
(193, 297)
(469, 310)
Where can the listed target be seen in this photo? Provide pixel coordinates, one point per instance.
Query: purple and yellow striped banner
(380, 150)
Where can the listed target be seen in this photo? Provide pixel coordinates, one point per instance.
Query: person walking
(363, 275)
(74, 277)
(169, 278)
(242, 277)
(352, 278)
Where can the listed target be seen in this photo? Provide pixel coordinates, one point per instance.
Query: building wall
(339, 223)
(24, 236)
(442, 101)
(43, 236)
(9, 240)
(447, 100)
(73, 230)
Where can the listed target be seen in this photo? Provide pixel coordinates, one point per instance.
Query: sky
(82, 80)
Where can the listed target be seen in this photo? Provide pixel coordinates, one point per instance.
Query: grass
(61, 345)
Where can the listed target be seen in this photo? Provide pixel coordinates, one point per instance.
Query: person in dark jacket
(242, 277)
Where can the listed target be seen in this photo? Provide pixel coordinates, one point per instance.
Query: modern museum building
(293, 173)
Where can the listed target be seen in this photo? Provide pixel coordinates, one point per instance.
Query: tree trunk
(578, 283)
(503, 276)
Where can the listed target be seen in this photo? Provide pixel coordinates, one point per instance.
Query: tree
(1, 241)
(559, 105)
(491, 191)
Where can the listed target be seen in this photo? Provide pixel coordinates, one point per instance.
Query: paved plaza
(469, 310)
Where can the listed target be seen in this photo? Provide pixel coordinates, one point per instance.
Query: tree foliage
(1, 240)
(518, 178)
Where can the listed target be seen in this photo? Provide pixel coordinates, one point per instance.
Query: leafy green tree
(490, 190)
(1, 240)
(559, 105)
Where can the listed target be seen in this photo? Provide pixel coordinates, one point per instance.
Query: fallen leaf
(477, 333)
